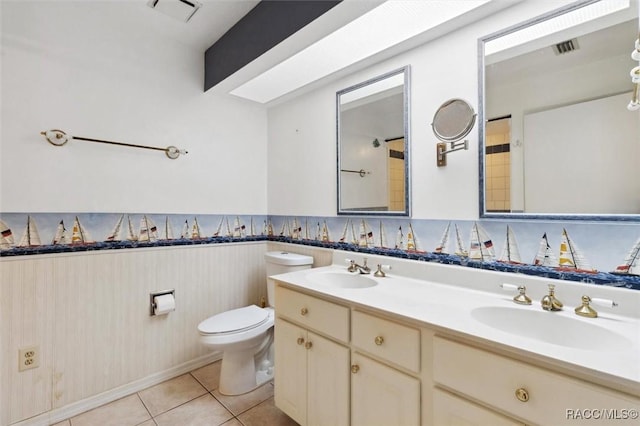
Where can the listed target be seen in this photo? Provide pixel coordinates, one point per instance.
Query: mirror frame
(407, 143)
(482, 129)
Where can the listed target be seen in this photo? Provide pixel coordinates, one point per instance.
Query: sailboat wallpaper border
(613, 249)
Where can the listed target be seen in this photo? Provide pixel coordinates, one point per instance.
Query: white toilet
(245, 335)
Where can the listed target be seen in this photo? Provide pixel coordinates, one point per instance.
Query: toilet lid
(234, 320)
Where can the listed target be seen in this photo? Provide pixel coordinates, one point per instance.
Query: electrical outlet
(28, 358)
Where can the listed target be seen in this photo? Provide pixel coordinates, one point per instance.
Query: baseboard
(78, 407)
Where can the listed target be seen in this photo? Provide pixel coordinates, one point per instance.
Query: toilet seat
(234, 321)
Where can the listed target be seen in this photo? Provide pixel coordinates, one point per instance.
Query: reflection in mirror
(373, 146)
(556, 138)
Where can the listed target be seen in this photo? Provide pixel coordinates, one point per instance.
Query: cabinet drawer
(311, 312)
(496, 380)
(386, 339)
(448, 409)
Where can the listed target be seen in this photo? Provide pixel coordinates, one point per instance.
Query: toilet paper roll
(164, 304)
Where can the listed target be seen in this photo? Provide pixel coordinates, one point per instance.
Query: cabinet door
(381, 395)
(328, 382)
(450, 410)
(291, 370)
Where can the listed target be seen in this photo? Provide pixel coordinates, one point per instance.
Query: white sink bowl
(338, 279)
(551, 328)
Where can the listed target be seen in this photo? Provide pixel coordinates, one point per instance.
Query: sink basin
(551, 328)
(341, 280)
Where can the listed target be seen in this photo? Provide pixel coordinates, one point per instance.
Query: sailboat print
(270, 229)
(412, 240)
(510, 251)
(571, 258)
(219, 228)
(252, 228)
(545, 255)
(168, 230)
(114, 235)
(195, 229)
(78, 234)
(6, 237)
(185, 230)
(399, 238)
(30, 237)
(460, 250)
(343, 238)
(382, 237)
(131, 233)
(481, 247)
(354, 236)
(238, 228)
(631, 265)
(148, 230)
(365, 236)
(286, 230)
(306, 236)
(324, 236)
(60, 236)
(296, 231)
(444, 241)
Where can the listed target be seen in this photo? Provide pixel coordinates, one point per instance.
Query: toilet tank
(280, 262)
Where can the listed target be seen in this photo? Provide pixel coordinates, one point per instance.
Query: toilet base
(245, 370)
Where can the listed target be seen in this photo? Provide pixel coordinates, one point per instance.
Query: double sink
(523, 322)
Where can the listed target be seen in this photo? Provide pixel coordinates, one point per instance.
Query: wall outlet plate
(28, 357)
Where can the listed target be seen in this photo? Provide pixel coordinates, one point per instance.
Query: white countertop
(448, 307)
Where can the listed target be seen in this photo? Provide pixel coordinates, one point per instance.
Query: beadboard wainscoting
(88, 315)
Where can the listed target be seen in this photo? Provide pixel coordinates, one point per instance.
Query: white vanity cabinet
(522, 390)
(312, 369)
(380, 393)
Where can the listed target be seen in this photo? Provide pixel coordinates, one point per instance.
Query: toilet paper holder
(152, 303)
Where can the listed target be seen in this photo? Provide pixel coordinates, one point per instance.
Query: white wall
(63, 67)
(302, 131)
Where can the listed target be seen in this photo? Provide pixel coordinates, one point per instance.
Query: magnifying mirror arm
(442, 151)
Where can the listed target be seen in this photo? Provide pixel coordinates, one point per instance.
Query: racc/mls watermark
(602, 413)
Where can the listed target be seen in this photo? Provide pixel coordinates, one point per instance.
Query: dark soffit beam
(266, 25)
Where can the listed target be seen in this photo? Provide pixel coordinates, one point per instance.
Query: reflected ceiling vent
(566, 46)
(181, 10)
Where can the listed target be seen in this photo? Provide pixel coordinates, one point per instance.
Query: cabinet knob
(522, 394)
(304, 311)
(300, 340)
(308, 345)
(355, 368)
(379, 340)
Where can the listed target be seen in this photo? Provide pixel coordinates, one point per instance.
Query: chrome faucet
(363, 269)
(549, 302)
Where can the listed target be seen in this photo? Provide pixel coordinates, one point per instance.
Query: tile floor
(188, 400)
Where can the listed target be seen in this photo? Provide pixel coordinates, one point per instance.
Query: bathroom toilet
(245, 335)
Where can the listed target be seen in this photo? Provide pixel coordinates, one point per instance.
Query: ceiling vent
(181, 10)
(566, 46)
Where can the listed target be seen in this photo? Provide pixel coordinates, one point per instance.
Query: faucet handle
(380, 273)
(585, 310)
(521, 298)
(607, 303)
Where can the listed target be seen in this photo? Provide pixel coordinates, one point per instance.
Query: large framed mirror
(373, 146)
(556, 138)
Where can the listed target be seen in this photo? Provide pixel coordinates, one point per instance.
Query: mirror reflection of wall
(564, 82)
(498, 165)
(372, 168)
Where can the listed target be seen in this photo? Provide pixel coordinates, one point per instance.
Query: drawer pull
(300, 340)
(379, 340)
(522, 394)
(304, 311)
(308, 345)
(355, 368)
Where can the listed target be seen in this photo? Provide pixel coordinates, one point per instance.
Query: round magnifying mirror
(453, 120)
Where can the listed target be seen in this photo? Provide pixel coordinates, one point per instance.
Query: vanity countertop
(453, 309)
